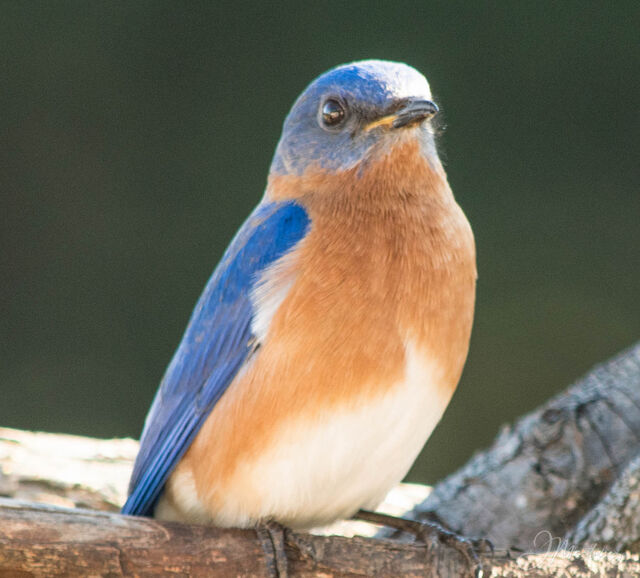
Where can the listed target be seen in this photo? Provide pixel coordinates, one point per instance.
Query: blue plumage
(370, 89)
(216, 343)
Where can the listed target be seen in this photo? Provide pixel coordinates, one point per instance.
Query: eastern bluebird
(332, 334)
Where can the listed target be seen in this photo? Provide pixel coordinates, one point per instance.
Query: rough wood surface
(614, 523)
(544, 473)
(39, 540)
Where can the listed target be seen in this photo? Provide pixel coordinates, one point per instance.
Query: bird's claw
(272, 538)
(431, 533)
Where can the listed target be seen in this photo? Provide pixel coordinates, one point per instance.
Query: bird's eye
(332, 113)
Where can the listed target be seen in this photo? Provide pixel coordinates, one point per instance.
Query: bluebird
(333, 332)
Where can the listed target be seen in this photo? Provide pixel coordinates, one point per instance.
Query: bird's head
(352, 113)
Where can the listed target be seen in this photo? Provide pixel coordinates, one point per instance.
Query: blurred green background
(136, 136)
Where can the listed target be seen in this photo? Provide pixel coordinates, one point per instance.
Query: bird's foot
(431, 533)
(272, 538)
(275, 538)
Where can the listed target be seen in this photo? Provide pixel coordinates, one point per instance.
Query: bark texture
(39, 540)
(543, 474)
(614, 523)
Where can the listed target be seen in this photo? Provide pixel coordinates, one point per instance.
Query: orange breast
(390, 258)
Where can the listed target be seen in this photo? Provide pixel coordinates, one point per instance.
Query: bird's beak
(412, 112)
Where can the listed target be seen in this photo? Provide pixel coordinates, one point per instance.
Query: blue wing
(215, 345)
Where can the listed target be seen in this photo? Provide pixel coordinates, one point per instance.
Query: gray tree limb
(614, 523)
(545, 472)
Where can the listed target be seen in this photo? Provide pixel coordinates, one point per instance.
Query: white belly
(320, 471)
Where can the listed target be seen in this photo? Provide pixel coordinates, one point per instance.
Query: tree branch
(545, 472)
(41, 540)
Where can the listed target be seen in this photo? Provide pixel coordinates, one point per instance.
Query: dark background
(136, 136)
